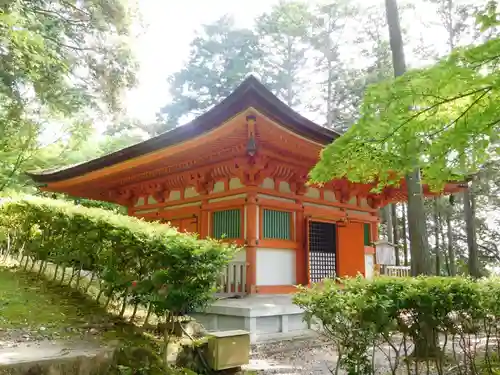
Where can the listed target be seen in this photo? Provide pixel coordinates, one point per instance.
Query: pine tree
(220, 59)
(284, 36)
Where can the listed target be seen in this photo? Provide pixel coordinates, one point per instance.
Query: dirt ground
(308, 356)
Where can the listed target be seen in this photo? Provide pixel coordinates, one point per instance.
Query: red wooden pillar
(374, 233)
(301, 251)
(251, 248)
(204, 220)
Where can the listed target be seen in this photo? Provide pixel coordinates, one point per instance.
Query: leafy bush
(149, 264)
(450, 323)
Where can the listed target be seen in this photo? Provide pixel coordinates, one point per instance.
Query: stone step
(54, 358)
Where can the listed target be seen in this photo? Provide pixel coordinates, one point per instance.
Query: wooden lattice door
(322, 250)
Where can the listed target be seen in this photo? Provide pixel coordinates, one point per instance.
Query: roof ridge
(249, 93)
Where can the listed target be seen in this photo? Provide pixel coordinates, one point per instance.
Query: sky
(169, 27)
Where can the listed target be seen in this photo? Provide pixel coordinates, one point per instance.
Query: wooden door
(308, 266)
(189, 225)
(351, 250)
(322, 250)
(176, 223)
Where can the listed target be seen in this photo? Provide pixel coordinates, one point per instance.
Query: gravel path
(309, 356)
(316, 356)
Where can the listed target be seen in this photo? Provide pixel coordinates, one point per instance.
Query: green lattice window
(277, 225)
(226, 224)
(368, 236)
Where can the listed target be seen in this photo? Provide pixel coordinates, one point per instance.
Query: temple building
(239, 172)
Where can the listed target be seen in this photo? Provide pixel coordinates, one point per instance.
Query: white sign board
(385, 252)
(369, 266)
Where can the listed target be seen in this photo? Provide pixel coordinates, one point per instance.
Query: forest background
(69, 72)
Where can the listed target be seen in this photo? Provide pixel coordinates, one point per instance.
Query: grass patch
(26, 301)
(35, 308)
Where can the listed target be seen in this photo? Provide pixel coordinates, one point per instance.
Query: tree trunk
(289, 82)
(92, 277)
(469, 206)
(450, 27)
(55, 272)
(447, 263)
(388, 223)
(419, 247)
(442, 250)
(148, 314)
(416, 213)
(329, 90)
(134, 313)
(436, 237)
(427, 344)
(449, 233)
(124, 304)
(63, 274)
(395, 235)
(403, 234)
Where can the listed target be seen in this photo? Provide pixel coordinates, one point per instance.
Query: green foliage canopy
(58, 59)
(443, 119)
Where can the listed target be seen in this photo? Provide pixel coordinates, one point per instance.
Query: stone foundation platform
(266, 317)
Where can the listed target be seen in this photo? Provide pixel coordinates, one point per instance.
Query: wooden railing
(395, 271)
(233, 280)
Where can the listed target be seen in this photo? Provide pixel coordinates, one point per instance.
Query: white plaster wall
(284, 187)
(175, 195)
(218, 187)
(353, 201)
(363, 203)
(140, 202)
(151, 200)
(312, 193)
(330, 196)
(268, 183)
(275, 267)
(235, 183)
(190, 192)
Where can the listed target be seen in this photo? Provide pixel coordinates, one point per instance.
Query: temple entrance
(322, 246)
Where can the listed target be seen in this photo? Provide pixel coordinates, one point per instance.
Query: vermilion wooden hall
(239, 172)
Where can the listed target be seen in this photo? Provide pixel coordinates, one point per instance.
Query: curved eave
(251, 93)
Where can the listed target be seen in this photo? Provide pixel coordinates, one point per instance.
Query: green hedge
(148, 264)
(453, 324)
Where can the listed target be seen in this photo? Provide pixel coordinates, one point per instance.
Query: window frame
(241, 224)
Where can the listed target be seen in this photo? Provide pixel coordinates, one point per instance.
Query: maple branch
(461, 115)
(59, 17)
(428, 109)
(74, 48)
(75, 8)
(480, 63)
(21, 158)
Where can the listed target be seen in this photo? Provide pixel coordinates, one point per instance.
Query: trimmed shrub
(451, 324)
(146, 263)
